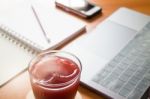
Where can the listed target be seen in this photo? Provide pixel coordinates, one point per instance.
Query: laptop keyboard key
(116, 86)
(124, 92)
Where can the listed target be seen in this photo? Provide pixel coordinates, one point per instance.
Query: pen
(37, 18)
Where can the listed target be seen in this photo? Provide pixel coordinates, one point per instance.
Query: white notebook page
(58, 25)
(13, 58)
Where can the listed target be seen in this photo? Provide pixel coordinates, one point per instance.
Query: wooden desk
(20, 86)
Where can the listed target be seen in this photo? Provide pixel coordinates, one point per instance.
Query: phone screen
(80, 5)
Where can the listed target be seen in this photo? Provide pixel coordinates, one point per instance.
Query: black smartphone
(82, 8)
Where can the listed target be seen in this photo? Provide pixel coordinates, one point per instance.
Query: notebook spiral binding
(19, 40)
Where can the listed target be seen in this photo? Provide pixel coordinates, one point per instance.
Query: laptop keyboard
(128, 73)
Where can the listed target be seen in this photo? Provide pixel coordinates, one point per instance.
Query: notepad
(22, 21)
(21, 37)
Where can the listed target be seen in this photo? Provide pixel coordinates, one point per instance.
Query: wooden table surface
(20, 86)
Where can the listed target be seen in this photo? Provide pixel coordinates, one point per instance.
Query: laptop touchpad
(107, 39)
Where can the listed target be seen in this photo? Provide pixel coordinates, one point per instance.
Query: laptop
(115, 55)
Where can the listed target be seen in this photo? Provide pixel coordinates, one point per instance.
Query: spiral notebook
(21, 37)
(14, 56)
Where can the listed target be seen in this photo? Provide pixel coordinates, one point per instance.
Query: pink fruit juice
(54, 77)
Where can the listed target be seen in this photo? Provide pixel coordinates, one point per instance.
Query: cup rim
(34, 60)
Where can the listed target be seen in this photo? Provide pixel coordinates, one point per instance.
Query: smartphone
(82, 8)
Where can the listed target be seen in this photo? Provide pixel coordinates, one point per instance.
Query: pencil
(37, 18)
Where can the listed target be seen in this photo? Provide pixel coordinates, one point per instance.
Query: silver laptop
(115, 56)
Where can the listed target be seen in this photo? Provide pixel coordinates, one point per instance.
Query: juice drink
(54, 76)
